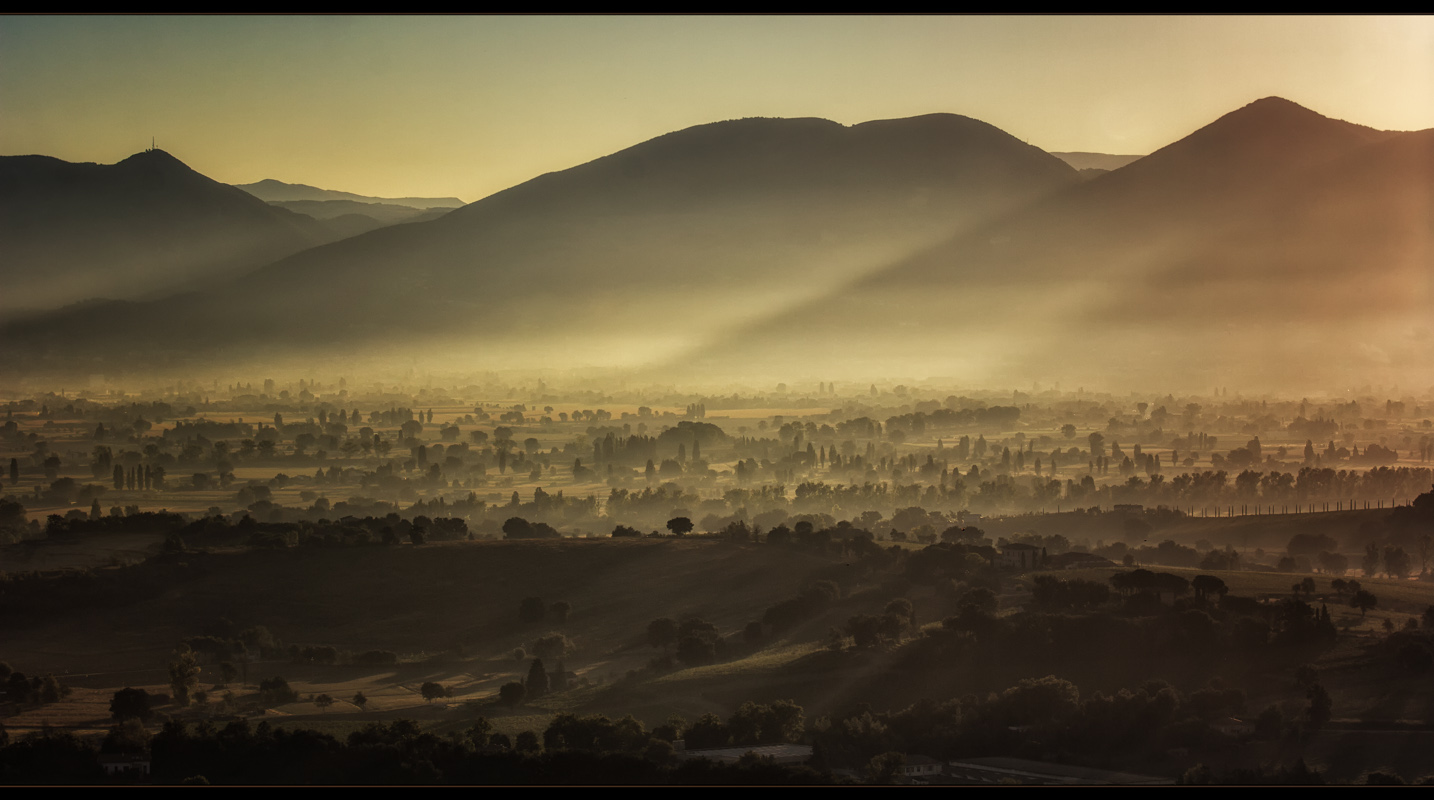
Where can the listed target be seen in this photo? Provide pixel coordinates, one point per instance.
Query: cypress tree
(537, 683)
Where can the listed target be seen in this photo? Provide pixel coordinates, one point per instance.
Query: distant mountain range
(936, 245)
(272, 191)
(725, 221)
(345, 214)
(1104, 162)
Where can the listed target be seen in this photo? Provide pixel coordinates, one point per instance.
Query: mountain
(149, 223)
(345, 218)
(1272, 246)
(381, 213)
(1104, 162)
(629, 257)
(272, 191)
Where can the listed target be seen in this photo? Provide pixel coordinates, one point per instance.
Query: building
(128, 765)
(1019, 556)
(919, 766)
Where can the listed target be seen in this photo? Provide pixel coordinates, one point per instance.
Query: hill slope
(1248, 251)
(712, 225)
(147, 224)
(272, 191)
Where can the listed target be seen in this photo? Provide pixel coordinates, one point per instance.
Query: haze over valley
(645, 400)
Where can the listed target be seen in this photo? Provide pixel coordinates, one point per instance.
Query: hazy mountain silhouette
(1105, 162)
(345, 218)
(1249, 249)
(382, 213)
(693, 231)
(272, 191)
(1273, 245)
(149, 223)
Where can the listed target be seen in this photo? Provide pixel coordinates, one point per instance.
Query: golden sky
(466, 106)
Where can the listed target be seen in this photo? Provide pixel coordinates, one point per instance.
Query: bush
(434, 691)
(276, 691)
(130, 704)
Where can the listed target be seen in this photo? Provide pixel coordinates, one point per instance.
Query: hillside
(406, 599)
(272, 191)
(1240, 253)
(717, 224)
(148, 224)
(1102, 162)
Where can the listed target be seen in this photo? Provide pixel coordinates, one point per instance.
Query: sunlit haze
(744, 400)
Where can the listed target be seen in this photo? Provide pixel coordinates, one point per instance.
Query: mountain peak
(1271, 136)
(155, 159)
(1273, 102)
(1276, 117)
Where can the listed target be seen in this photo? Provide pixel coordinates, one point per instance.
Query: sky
(466, 106)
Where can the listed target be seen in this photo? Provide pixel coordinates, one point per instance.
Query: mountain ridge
(764, 246)
(148, 223)
(275, 191)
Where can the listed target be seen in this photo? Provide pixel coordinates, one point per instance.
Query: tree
(359, 700)
(433, 691)
(51, 690)
(1333, 563)
(754, 723)
(707, 732)
(527, 742)
(873, 631)
(882, 769)
(130, 703)
(1206, 585)
(1363, 600)
(276, 691)
(537, 683)
(183, 674)
(680, 526)
(553, 647)
(480, 733)
(662, 632)
(1371, 560)
(1397, 563)
(1097, 445)
(902, 607)
(697, 642)
(323, 701)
